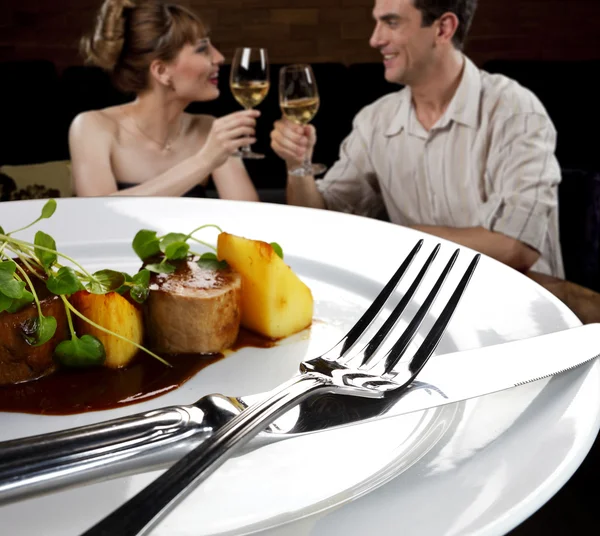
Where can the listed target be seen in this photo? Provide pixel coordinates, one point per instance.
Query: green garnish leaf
(2, 230)
(124, 288)
(65, 281)
(39, 330)
(18, 304)
(209, 261)
(177, 251)
(174, 246)
(140, 290)
(86, 351)
(105, 281)
(145, 244)
(277, 249)
(5, 302)
(142, 278)
(47, 258)
(49, 209)
(139, 294)
(9, 286)
(9, 267)
(161, 268)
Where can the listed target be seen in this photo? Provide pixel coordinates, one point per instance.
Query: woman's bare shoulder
(98, 121)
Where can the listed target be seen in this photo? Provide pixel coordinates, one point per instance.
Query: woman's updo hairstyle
(130, 34)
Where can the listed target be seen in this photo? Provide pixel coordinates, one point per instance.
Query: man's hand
(293, 142)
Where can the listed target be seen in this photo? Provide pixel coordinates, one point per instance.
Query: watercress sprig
(44, 253)
(174, 246)
(40, 330)
(40, 259)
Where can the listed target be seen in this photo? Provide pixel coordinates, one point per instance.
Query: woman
(162, 54)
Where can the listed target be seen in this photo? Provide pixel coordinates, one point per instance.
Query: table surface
(585, 303)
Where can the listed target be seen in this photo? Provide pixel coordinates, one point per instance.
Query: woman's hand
(227, 135)
(293, 142)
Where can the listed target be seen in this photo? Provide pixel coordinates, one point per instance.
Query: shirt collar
(463, 108)
(400, 119)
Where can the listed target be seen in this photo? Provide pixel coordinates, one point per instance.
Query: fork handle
(140, 513)
(49, 461)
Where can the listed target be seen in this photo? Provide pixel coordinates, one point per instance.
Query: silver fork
(364, 374)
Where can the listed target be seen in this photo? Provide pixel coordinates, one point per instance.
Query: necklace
(168, 144)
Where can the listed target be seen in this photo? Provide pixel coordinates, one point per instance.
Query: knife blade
(156, 439)
(456, 377)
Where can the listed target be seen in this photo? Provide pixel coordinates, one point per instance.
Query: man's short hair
(431, 10)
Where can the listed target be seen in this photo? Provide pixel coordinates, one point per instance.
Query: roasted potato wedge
(114, 312)
(275, 302)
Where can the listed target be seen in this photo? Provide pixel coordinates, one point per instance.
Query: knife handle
(40, 463)
(140, 513)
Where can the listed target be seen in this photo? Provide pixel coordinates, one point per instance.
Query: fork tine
(432, 339)
(364, 357)
(397, 351)
(351, 338)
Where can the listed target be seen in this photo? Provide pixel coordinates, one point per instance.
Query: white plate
(479, 467)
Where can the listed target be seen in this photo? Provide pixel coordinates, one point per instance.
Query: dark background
(316, 30)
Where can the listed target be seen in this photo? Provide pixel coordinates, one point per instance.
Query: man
(457, 153)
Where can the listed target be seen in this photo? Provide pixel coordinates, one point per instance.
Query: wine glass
(249, 82)
(299, 101)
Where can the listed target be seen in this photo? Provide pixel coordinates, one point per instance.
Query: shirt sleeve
(522, 179)
(351, 184)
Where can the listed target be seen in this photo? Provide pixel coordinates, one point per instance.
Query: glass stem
(245, 149)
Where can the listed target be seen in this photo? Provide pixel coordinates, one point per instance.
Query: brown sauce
(249, 339)
(71, 391)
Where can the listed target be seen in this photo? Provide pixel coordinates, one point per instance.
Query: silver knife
(156, 439)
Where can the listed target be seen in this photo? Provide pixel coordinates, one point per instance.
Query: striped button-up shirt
(488, 161)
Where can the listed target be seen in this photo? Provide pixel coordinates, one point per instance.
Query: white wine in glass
(300, 111)
(249, 83)
(299, 102)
